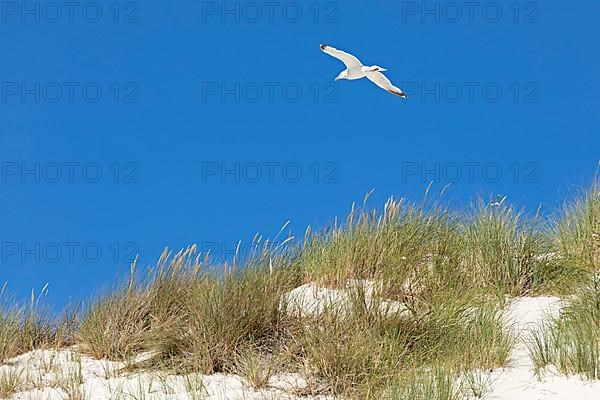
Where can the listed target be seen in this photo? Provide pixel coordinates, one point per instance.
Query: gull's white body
(355, 70)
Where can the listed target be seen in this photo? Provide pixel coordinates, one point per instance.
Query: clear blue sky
(128, 127)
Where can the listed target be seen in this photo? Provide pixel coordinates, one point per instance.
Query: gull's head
(342, 75)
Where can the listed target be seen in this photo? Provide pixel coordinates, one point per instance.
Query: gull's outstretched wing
(348, 59)
(383, 82)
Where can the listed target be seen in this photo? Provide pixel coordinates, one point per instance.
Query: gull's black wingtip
(323, 46)
(402, 95)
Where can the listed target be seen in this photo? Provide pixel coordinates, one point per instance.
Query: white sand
(312, 300)
(44, 373)
(518, 380)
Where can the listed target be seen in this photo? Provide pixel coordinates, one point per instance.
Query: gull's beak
(337, 78)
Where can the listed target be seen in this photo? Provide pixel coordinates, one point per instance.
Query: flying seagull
(355, 70)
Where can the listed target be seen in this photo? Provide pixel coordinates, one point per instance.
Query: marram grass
(451, 270)
(571, 342)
